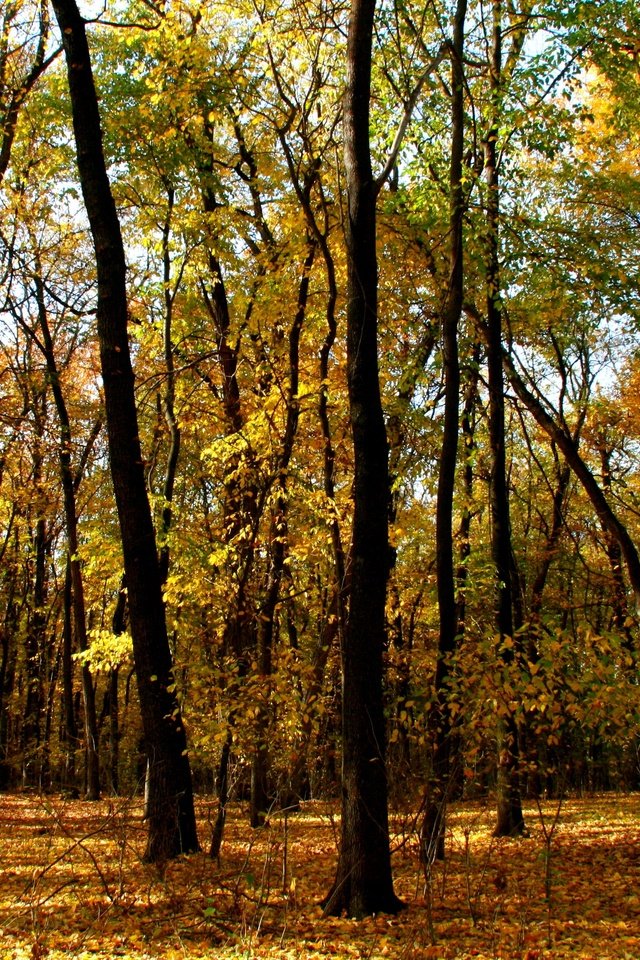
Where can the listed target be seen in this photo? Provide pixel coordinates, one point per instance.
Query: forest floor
(73, 885)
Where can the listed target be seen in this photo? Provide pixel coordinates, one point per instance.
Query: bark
(467, 426)
(620, 617)
(70, 723)
(432, 840)
(92, 772)
(334, 624)
(8, 631)
(510, 819)
(551, 547)
(35, 664)
(118, 626)
(168, 400)
(278, 550)
(241, 506)
(568, 445)
(222, 790)
(171, 820)
(363, 883)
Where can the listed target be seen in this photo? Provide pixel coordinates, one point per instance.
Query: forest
(320, 423)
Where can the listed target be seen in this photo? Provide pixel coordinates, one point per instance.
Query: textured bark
(36, 660)
(92, 771)
(432, 841)
(70, 723)
(509, 815)
(363, 883)
(8, 629)
(171, 818)
(619, 602)
(168, 400)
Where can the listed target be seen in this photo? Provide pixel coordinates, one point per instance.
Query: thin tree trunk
(168, 400)
(363, 883)
(8, 633)
(35, 659)
(619, 602)
(510, 819)
(118, 626)
(260, 795)
(172, 825)
(75, 569)
(14, 89)
(432, 840)
(70, 723)
(569, 447)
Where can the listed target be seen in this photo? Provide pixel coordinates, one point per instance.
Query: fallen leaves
(74, 886)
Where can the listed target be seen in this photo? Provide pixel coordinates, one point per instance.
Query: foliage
(222, 128)
(75, 886)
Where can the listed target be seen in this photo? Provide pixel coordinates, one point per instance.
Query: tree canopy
(319, 364)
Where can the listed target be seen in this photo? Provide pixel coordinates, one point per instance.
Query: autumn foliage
(74, 885)
(319, 474)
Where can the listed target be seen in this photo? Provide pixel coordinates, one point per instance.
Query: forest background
(381, 310)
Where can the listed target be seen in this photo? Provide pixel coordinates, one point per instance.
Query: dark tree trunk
(363, 883)
(222, 790)
(45, 763)
(241, 509)
(171, 816)
(118, 626)
(569, 447)
(467, 426)
(168, 400)
(8, 636)
(510, 820)
(75, 569)
(333, 625)
(619, 601)
(70, 722)
(35, 665)
(532, 748)
(14, 86)
(432, 844)
(260, 794)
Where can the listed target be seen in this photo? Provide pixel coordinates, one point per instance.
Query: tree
(363, 883)
(439, 787)
(24, 57)
(172, 827)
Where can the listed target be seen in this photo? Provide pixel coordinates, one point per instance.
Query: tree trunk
(172, 826)
(363, 883)
(70, 723)
(432, 840)
(620, 608)
(14, 86)
(75, 569)
(118, 627)
(569, 447)
(35, 662)
(8, 632)
(510, 820)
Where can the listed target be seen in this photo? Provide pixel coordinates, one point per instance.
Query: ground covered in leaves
(72, 884)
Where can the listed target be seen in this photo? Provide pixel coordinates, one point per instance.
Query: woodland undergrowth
(73, 884)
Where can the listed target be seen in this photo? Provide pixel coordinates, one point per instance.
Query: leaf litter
(74, 885)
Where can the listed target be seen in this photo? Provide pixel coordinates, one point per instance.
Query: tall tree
(172, 827)
(510, 820)
(69, 485)
(363, 883)
(433, 826)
